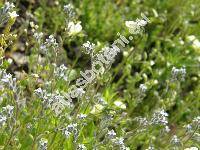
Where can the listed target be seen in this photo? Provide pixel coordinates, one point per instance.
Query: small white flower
(191, 148)
(13, 14)
(196, 44)
(175, 140)
(167, 129)
(67, 134)
(81, 147)
(143, 88)
(141, 22)
(119, 104)
(71, 128)
(111, 134)
(10, 60)
(74, 28)
(82, 116)
(97, 109)
(191, 38)
(160, 117)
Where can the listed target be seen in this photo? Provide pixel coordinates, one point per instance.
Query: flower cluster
(178, 73)
(60, 72)
(118, 141)
(73, 25)
(69, 10)
(50, 43)
(143, 88)
(7, 12)
(7, 112)
(56, 101)
(89, 47)
(71, 129)
(7, 80)
(159, 117)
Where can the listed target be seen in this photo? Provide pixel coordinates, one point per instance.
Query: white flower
(13, 14)
(97, 109)
(191, 38)
(143, 88)
(111, 134)
(194, 41)
(175, 140)
(159, 117)
(71, 128)
(167, 129)
(119, 104)
(141, 22)
(74, 28)
(178, 73)
(196, 44)
(191, 148)
(81, 147)
(82, 116)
